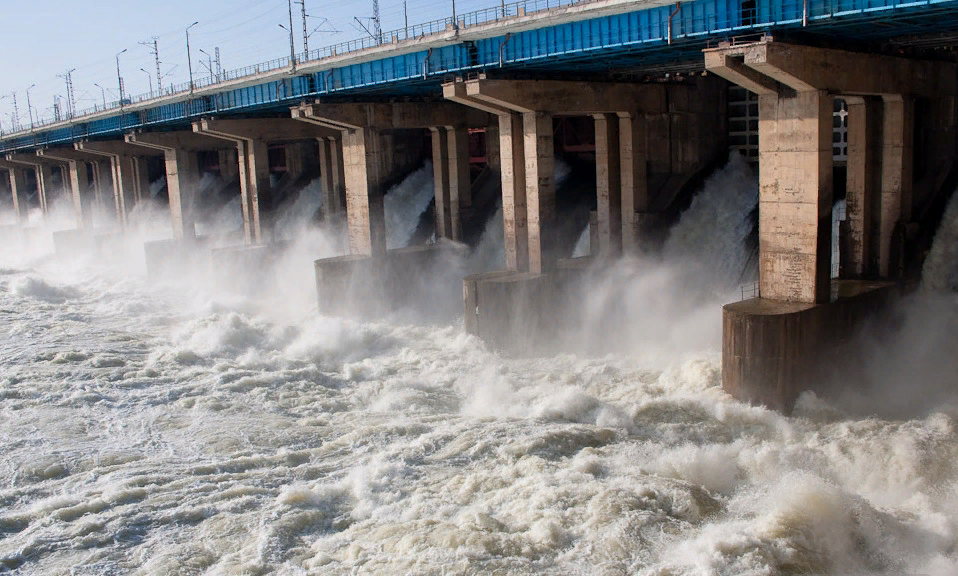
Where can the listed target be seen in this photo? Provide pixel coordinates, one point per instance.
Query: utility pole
(102, 94)
(56, 107)
(71, 101)
(16, 112)
(405, 17)
(150, 78)
(377, 30)
(305, 32)
(189, 61)
(209, 65)
(29, 107)
(292, 49)
(155, 51)
(119, 78)
(219, 67)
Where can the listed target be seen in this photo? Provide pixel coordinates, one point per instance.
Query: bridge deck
(580, 38)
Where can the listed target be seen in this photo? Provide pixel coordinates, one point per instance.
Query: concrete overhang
(566, 97)
(395, 116)
(32, 160)
(166, 141)
(111, 148)
(766, 66)
(270, 130)
(68, 155)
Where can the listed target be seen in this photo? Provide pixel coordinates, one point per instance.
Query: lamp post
(119, 79)
(102, 93)
(189, 62)
(210, 65)
(149, 76)
(29, 107)
(292, 55)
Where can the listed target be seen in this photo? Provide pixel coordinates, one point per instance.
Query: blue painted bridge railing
(639, 38)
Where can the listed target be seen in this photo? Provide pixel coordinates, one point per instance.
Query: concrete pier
(43, 169)
(251, 139)
(374, 156)
(630, 120)
(18, 185)
(777, 345)
(128, 179)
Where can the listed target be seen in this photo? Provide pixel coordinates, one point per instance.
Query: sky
(42, 39)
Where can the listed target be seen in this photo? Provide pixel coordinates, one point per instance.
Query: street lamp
(29, 107)
(292, 53)
(210, 65)
(102, 93)
(189, 62)
(149, 77)
(119, 78)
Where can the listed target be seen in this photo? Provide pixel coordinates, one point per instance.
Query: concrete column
(246, 198)
(18, 190)
(514, 209)
(339, 170)
(331, 200)
(864, 128)
(363, 160)
(80, 183)
(125, 192)
(294, 161)
(633, 178)
(795, 198)
(896, 177)
(141, 179)
(440, 180)
(45, 186)
(492, 147)
(540, 189)
(460, 183)
(182, 174)
(608, 185)
(229, 165)
(260, 195)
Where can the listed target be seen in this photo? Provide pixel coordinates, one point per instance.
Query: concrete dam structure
(867, 115)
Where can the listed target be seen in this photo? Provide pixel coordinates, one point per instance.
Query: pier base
(523, 313)
(772, 351)
(413, 278)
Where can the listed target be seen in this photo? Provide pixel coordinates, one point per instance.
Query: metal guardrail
(751, 290)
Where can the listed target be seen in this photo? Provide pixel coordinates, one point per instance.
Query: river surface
(169, 428)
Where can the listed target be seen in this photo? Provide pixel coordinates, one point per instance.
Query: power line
(155, 50)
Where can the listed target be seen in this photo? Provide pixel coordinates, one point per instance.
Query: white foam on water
(155, 430)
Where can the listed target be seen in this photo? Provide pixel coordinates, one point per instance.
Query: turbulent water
(172, 429)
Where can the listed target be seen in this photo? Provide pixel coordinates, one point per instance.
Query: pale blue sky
(43, 38)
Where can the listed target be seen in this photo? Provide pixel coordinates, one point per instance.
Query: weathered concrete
(862, 185)
(370, 287)
(128, 173)
(775, 346)
(460, 182)
(43, 168)
(83, 201)
(367, 135)
(18, 185)
(795, 196)
(898, 130)
(772, 350)
(250, 137)
(182, 171)
(331, 171)
(440, 180)
(609, 190)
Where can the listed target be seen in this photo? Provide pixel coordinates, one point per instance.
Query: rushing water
(171, 429)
